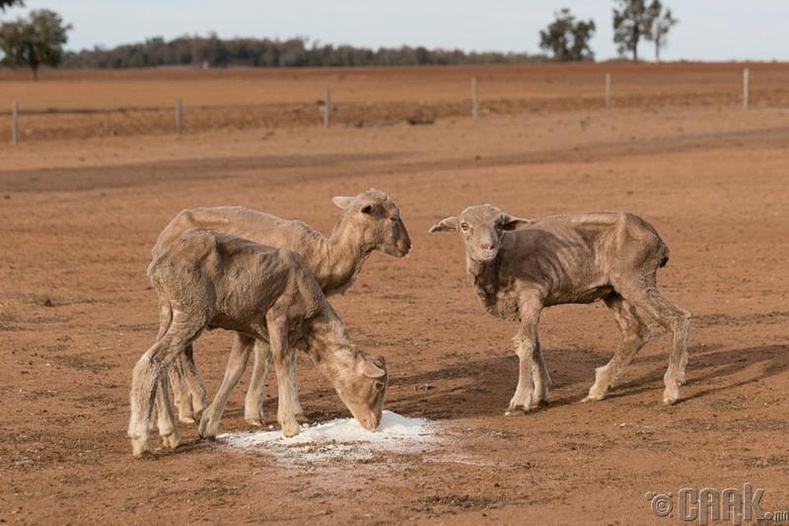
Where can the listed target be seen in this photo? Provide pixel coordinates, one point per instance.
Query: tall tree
(8, 3)
(35, 41)
(567, 38)
(662, 22)
(632, 21)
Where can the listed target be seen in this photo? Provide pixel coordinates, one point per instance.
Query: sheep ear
(515, 223)
(342, 201)
(370, 370)
(369, 209)
(448, 224)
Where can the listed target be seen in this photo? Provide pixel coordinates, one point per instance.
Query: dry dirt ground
(79, 217)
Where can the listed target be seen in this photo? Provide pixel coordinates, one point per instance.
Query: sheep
(206, 280)
(520, 266)
(370, 221)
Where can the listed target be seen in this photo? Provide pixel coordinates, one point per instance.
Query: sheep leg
(187, 386)
(256, 392)
(527, 344)
(284, 363)
(168, 431)
(194, 383)
(540, 375)
(673, 319)
(148, 373)
(143, 391)
(236, 363)
(635, 334)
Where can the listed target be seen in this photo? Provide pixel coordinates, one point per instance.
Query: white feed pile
(341, 438)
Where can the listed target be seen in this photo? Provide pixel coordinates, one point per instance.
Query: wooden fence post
(14, 122)
(179, 117)
(746, 88)
(327, 108)
(607, 90)
(474, 99)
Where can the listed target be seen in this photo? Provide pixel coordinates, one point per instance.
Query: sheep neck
(329, 346)
(343, 257)
(486, 278)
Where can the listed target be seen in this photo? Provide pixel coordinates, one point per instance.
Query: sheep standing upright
(520, 266)
(207, 280)
(370, 221)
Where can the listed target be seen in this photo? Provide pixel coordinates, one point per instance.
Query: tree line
(212, 51)
(39, 40)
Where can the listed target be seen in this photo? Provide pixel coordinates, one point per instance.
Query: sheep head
(362, 388)
(375, 218)
(481, 227)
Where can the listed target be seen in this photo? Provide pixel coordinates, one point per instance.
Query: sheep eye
(464, 226)
(379, 386)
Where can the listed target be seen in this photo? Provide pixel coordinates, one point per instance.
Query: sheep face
(376, 218)
(481, 227)
(362, 389)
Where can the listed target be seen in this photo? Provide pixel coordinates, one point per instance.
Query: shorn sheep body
(206, 280)
(370, 221)
(520, 266)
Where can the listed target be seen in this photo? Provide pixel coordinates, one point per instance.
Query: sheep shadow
(483, 387)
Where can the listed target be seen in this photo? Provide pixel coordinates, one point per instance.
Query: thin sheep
(520, 266)
(207, 280)
(370, 221)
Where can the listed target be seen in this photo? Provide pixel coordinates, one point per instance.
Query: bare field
(79, 217)
(82, 104)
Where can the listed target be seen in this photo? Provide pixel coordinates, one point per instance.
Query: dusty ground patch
(79, 217)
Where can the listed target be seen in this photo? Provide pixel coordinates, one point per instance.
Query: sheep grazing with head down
(520, 266)
(370, 221)
(207, 280)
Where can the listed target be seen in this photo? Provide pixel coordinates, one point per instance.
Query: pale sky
(709, 30)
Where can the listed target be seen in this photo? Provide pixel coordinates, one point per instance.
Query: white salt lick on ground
(343, 438)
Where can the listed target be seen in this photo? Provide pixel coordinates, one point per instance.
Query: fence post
(746, 88)
(474, 99)
(179, 117)
(14, 122)
(327, 108)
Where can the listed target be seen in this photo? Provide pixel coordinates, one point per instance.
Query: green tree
(662, 22)
(35, 41)
(567, 38)
(8, 3)
(632, 21)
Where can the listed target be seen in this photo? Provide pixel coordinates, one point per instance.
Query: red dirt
(76, 312)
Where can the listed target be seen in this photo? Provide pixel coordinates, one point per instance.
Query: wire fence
(32, 124)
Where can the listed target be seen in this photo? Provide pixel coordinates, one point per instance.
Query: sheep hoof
(254, 421)
(171, 441)
(290, 429)
(301, 418)
(592, 398)
(184, 419)
(518, 411)
(140, 447)
(669, 400)
(207, 429)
